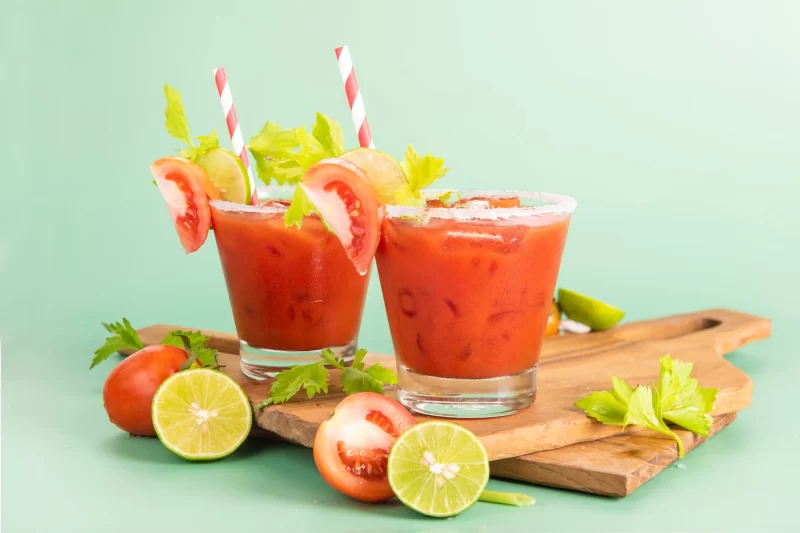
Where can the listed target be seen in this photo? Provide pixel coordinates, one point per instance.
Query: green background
(676, 125)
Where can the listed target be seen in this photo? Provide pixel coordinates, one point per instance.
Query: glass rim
(556, 204)
(281, 192)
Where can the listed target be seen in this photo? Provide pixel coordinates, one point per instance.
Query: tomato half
(129, 389)
(351, 448)
(180, 182)
(349, 206)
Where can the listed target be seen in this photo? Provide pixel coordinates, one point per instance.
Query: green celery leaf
(603, 407)
(175, 117)
(421, 172)
(275, 151)
(300, 207)
(123, 337)
(330, 358)
(382, 374)
(354, 380)
(329, 134)
(621, 390)
(644, 409)
(207, 143)
(197, 342)
(683, 401)
(358, 359)
(274, 141)
(313, 378)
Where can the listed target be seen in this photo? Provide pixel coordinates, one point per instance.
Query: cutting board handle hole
(668, 329)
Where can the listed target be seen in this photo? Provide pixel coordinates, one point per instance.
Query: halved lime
(438, 468)
(593, 313)
(228, 174)
(201, 414)
(382, 170)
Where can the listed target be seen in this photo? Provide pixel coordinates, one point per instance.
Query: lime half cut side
(438, 468)
(593, 313)
(382, 170)
(201, 414)
(228, 174)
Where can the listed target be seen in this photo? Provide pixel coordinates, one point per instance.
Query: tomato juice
(291, 290)
(468, 290)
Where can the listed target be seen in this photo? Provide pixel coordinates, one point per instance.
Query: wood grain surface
(541, 444)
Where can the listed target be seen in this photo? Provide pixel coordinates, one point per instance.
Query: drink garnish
(227, 174)
(383, 171)
(314, 378)
(421, 172)
(676, 398)
(178, 126)
(284, 155)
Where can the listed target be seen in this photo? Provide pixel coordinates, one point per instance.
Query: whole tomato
(129, 389)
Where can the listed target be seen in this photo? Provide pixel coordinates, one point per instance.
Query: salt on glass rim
(275, 192)
(555, 204)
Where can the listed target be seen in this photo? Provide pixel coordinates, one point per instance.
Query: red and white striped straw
(234, 130)
(354, 97)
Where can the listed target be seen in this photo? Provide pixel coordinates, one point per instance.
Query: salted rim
(280, 192)
(559, 205)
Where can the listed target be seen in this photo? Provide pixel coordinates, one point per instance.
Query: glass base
(261, 363)
(465, 398)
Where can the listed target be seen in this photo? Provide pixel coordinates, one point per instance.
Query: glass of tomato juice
(467, 289)
(293, 292)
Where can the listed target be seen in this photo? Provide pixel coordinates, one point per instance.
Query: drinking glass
(467, 292)
(293, 292)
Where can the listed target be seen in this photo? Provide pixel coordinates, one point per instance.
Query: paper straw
(234, 130)
(354, 98)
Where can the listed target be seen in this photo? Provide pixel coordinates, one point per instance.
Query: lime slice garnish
(382, 170)
(201, 414)
(438, 468)
(228, 174)
(593, 313)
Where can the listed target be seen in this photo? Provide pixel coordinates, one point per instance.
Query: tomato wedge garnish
(351, 448)
(349, 206)
(180, 182)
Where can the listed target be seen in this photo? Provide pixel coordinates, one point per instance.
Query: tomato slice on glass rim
(181, 184)
(351, 448)
(349, 206)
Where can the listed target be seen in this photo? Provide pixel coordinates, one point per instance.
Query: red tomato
(349, 206)
(129, 389)
(351, 448)
(553, 319)
(181, 184)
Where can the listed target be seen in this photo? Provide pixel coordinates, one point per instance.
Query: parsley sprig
(124, 337)
(314, 378)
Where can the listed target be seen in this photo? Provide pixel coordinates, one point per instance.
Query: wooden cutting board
(614, 466)
(571, 366)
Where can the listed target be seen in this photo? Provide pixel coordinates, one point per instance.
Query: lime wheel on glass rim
(382, 171)
(228, 174)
